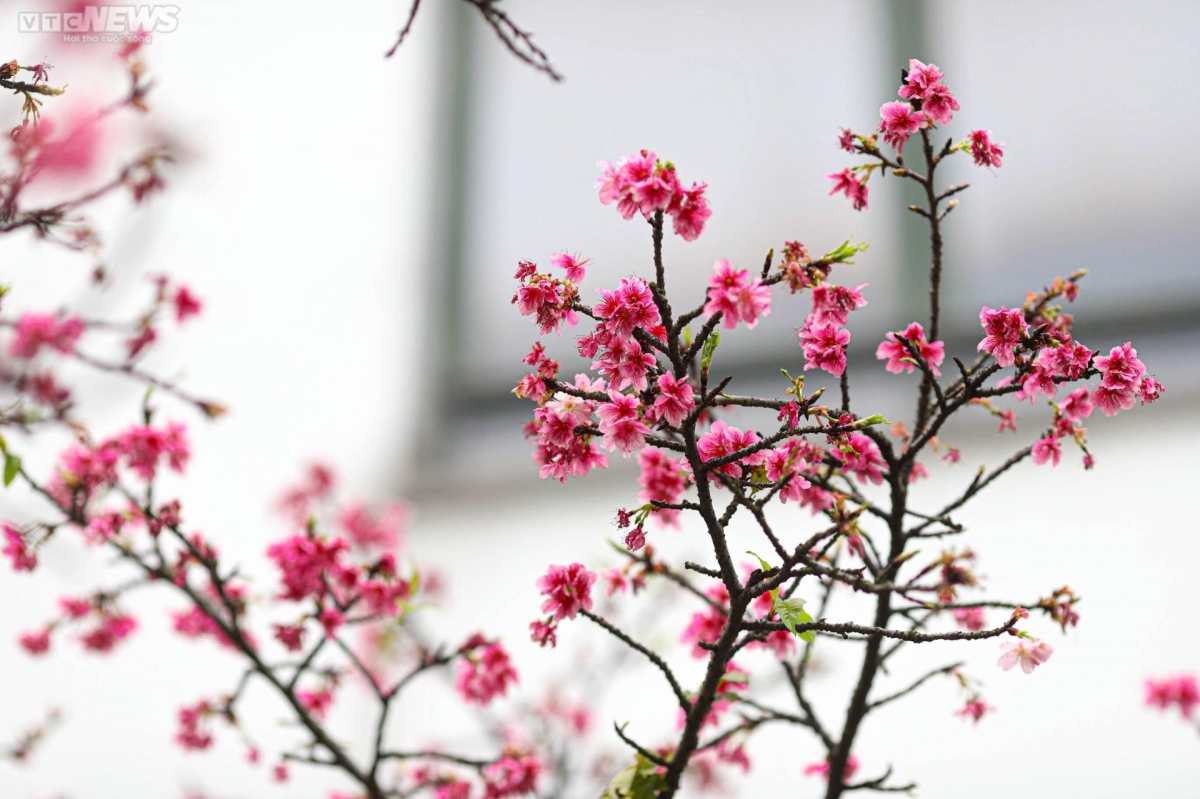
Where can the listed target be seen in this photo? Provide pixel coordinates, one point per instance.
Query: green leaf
(710, 346)
(12, 465)
(844, 253)
(765, 566)
(791, 612)
(639, 781)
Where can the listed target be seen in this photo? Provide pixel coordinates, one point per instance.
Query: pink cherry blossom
(291, 636)
(1076, 406)
(833, 304)
(736, 295)
(621, 424)
(662, 479)
(984, 150)
(1003, 331)
(485, 674)
(144, 447)
(573, 264)
(543, 633)
(690, 211)
(35, 331)
(317, 703)
(1028, 652)
(972, 619)
(975, 709)
(1120, 369)
(861, 457)
(922, 79)
(899, 121)
(940, 106)
(895, 353)
(305, 562)
(788, 460)
(36, 643)
(1149, 389)
(1182, 690)
(824, 346)
(704, 627)
(366, 529)
(511, 776)
(848, 183)
(186, 304)
(1113, 399)
(823, 768)
(15, 549)
(568, 590)
(73, 154)
(628, 307)
(674, 402)
(722, 440)
(191, 734)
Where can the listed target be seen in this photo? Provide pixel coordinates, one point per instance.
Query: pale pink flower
(674, 402)
(573, 264)
(1182, 690)
(15, 549)
(1003, 331)
(788, 460)
(511, 776)
(73, 155)
(662, 479)
(984, 150)
(1047, 449)
(37, 643)
(848, 183)
(1113, 399)
(975, 709)
(1076, 406)
(484, 674)
(922, 79)
(861, 457)
(34, 331)
(690, 211)
(621, 424)
(722, 440)
(939, 105)
(1028, 652)
(823, 768)
(365, 528)
(1120, 369)
(186, 304)
(568, 590)
(833, 304)
(736, 295)
(543, 633)
(972, 619)
(899, 121)
(895, 353)
(824, 346)
(630, 306)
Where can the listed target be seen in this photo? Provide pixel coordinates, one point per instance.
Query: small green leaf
(639, 781)
(765, 566)
(12, 465)
(791, 612)
(710, 346)
(844, 253)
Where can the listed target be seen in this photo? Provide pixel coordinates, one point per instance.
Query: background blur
(353, 225)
